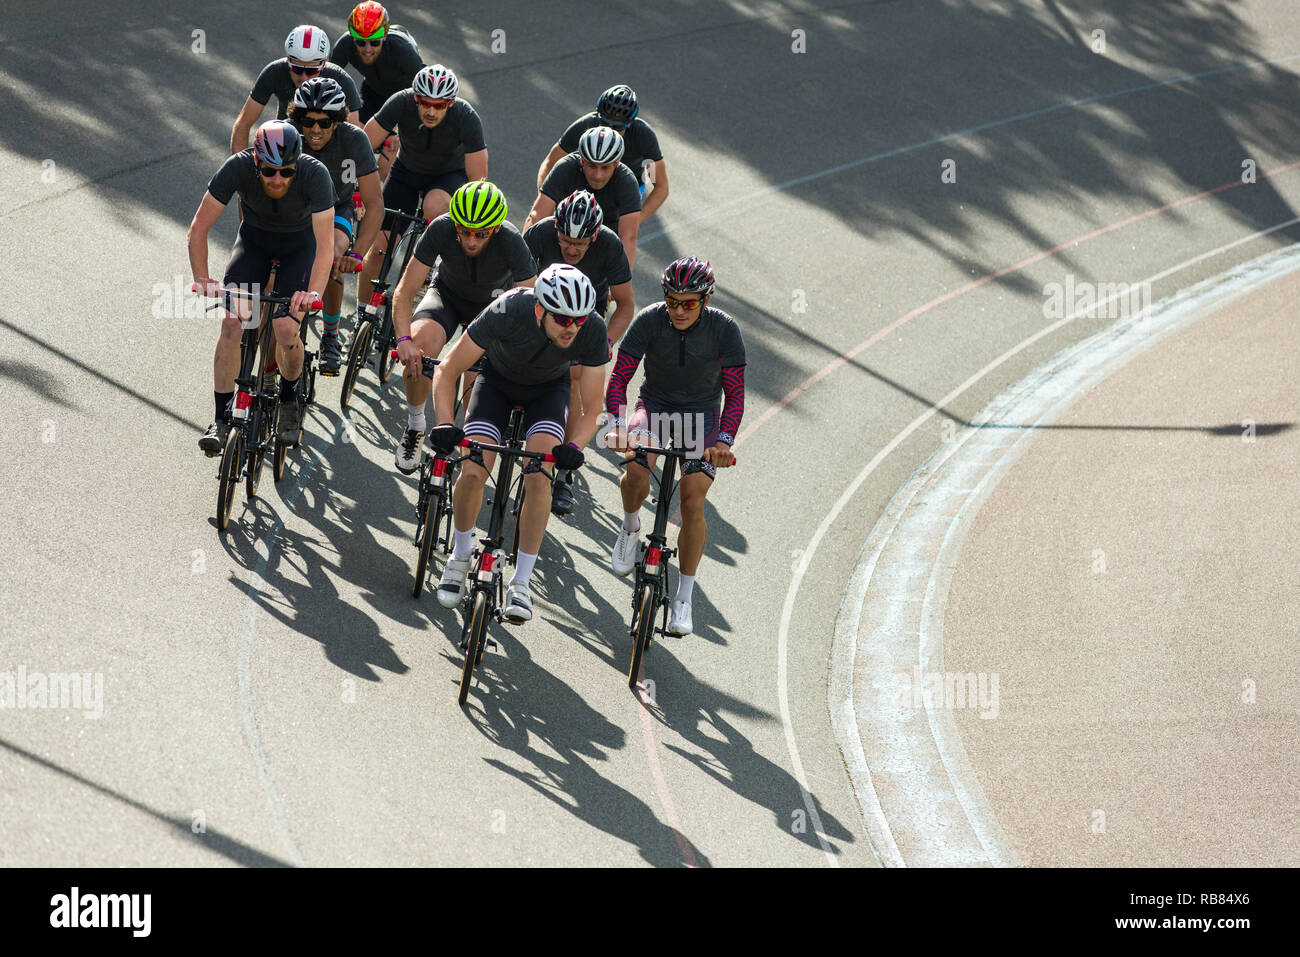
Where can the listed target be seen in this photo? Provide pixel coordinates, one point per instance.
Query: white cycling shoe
(679, 619)
(519, 606)
(452, 586)
(624, 556)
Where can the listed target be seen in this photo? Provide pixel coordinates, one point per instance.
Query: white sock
(685, 584)
(632, 521)
(523, 568)
(415, 417)
(463, 546)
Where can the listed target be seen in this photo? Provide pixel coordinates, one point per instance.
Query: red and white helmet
(308, 44)
(436, 82)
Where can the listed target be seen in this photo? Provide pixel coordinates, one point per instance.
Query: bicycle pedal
(491, 643)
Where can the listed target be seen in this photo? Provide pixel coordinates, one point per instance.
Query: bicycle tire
(644, 628)
(277, 458)
(475, 638)
(256, 455)
(387, 342)
(358, 353)
(428, 539)
(228, 476)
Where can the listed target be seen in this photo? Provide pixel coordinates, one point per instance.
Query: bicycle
(255, 410)
(650, 593)
(375, 328)
(486, 593)
(433, 502)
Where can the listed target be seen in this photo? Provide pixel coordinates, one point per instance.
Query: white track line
(1201, 298)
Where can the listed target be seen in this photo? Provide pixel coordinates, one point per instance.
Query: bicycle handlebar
(260, 297)
(521, 453)
(641, 451)
(427, 363)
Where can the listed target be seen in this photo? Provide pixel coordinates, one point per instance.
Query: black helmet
(689, 275)
(617, 105)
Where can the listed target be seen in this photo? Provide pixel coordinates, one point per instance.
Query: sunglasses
(434, 104)
(565, 321)
(476, 233)
(369, 43)
(288, 172)
(687, 304)
(323, 123)
(304, 70)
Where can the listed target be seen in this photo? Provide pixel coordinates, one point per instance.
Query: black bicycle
(374, 336)
(485, 595)
(254, 413)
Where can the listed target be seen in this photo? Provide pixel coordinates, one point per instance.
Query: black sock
(223, 405)
(287, 388)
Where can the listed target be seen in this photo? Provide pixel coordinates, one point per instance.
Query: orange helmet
(368, 21)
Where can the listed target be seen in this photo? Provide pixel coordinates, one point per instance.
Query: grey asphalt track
(274, 696)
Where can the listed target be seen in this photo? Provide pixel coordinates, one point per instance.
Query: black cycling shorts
(250, 260)
(546, 406)
(403, 188)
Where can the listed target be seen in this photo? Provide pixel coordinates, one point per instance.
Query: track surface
(279, 683)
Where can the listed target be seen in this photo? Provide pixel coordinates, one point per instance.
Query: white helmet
(436, 82)
(565, 290)
(600, 144)
(307, 43)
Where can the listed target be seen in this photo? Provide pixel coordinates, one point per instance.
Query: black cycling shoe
(562, 495)
(290, 421)
(214, 440)
(331, 355)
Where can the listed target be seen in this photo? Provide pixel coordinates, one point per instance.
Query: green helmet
(478, 205)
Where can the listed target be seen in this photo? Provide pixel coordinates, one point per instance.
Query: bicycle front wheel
(386, 343)
(643, 629)
(263, 423)
(358, 353)
(228, 475)
(429, 522)
(475, 638)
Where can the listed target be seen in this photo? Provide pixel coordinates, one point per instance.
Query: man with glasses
(385, 57)
(479, 256)
(318, 112)
(526, 340)
(288, 205)
(306, 50)
(574, 235)
(440, 149)
(595, 167)
(617, 108)
(693, 354)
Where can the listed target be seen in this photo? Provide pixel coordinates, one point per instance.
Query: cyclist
(440, 149)
(386, 58)
(479, 256)
(288, 205)
(306, 49)
(617, 108)
(527, 339)
(574, 235)
(595, 167)
(693, 353)
(318, 112)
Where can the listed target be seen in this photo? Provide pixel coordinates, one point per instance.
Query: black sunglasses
(369, 43)
(288, 172)
(307, 122)
(308, 70)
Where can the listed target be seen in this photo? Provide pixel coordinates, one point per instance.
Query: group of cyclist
(535, 306)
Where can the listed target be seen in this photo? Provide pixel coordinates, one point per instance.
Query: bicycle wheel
(228, 475)
(386, 345)
(358, 353)
(277, 458)
(260, 429)
(429, 522)
(519, 511)
(475, 638)
(643, 631)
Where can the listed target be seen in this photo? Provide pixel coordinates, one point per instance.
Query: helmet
(600, 144)
(320, 94)
(689, 275)
(578, 215)
(277, 143)
(307, 43)
(478, 205)
(565, 290)
(368, 21)
(436, 82)
(617, 104)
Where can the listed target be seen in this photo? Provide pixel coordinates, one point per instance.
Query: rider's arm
(628, 225)
(322, 225)
(590, 381)
(623, 309)
(733, 406)
(625, 367)
(556, 154)
(417, 271)
(375, 133)
(658, 194)
(543, 206)
(476, 165)
(205, 217)
(372, 198)
(463, 354)
(385, 119)
(244, 124)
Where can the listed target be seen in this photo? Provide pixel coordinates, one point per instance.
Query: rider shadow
(518, 704)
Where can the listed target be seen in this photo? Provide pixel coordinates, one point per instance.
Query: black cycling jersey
(431, 150)
(639, 141)
(310, 191)
(276, 79)
(622, 194)
(504, 261)
(604, 263)
(348, 157)
(392, 71)
(517, 346)
(684, 369)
